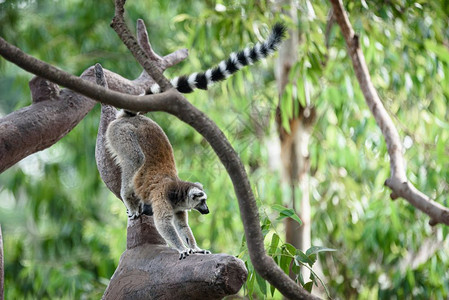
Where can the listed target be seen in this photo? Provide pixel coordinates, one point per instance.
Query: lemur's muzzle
(202, 208)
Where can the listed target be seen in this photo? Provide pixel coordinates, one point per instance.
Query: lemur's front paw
(185, 253)
(201, 251)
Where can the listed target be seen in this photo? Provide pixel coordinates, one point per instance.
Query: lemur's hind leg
(123, 143)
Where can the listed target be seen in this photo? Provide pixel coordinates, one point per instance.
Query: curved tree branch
(398, 181)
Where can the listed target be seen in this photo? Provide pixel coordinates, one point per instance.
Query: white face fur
(195, 196)
(196, 199)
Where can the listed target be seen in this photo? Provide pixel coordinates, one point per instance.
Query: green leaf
(284, 263)
(250, 284)
(290, 249)
(294, 71)
(286, 213)
(296, 269)
(313, 258)
(286, 258)
(274, 244)
(262, 284)
(317, 249)
(286, 104)
(301, 93)
(181, 18)
(308, 286)
(301, 257)
(265, 227)
(272, 290)
(286, 107)
(410, 278)
(300, 278)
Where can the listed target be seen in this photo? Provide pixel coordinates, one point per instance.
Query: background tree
(384, 248)
(295, 117)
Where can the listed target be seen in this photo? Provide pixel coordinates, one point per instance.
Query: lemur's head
(196, 198)
(185, 195)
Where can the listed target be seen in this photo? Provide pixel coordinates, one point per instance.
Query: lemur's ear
(199, 184)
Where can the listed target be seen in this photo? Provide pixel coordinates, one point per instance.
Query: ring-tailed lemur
(236, 61)
(145, 156)
(149, 176)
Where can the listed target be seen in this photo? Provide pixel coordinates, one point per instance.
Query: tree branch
(398, 181)
(427, 249)
(163, 62)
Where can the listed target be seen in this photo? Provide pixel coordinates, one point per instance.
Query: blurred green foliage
(64, 231)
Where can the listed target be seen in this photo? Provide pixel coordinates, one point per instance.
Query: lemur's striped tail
(236, 61)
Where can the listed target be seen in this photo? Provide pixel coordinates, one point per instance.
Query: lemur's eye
(197, 195)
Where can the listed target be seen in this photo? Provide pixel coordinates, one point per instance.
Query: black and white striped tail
(236, 61)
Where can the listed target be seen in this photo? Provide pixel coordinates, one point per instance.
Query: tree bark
(26, 131)
(53, 112)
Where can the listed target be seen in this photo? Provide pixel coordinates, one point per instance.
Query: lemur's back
(159, 165)
(155, 145)
(152, 163)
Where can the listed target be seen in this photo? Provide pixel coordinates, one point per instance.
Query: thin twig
(162, 62)
(119, 25)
